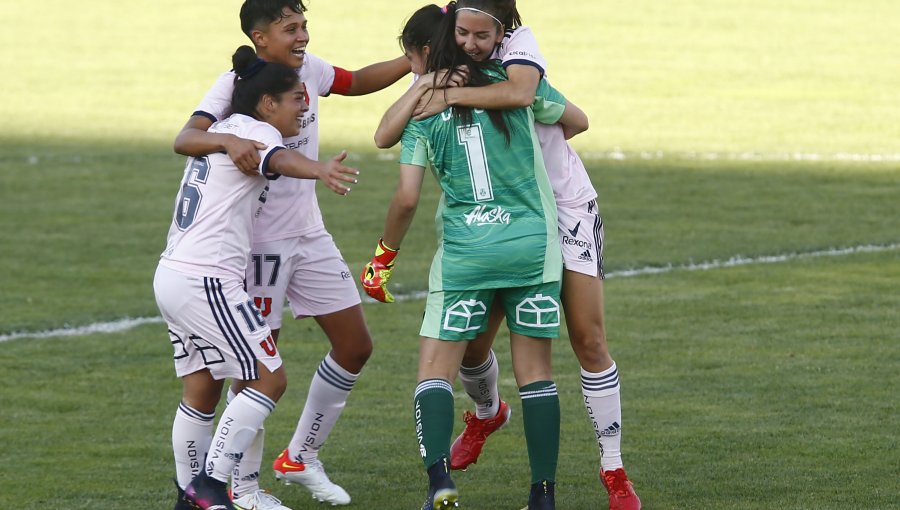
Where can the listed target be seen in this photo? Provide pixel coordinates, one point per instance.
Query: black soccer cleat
(181, 503)
(543, 496)
(442, 493)
(207, 493)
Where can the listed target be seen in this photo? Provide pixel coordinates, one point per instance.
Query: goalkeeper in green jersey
(497, 241)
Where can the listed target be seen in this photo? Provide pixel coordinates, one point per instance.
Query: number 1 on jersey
(471, 138)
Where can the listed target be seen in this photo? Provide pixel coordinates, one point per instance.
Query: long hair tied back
(257, 78)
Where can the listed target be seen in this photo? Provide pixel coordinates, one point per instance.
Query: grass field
(762, 138)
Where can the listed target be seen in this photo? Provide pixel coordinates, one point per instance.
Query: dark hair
(504, 10)
(255, 12)
(257, 78)
(445, 54)
(420, 27)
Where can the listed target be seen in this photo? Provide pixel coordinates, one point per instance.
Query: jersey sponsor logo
(586, 256)
(539, 311)
(466, 315)
(296, 144)
(481, 215)
(571, 241)
(345, 275)
(574, 231)
(520, 53)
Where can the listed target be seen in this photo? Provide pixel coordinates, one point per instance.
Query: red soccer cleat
(620, 489)
(468, 445)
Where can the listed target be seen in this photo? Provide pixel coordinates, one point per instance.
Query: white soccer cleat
(258, 500)
(312, 476)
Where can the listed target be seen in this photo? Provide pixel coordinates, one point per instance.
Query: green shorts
(461, 314)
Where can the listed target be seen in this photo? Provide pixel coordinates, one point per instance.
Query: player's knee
(590, 348)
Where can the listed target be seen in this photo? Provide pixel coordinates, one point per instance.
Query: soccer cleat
(312, 476)
(543, 496)
(258, 500)
(468, 445)
(180, 502)
(620, 489)
(207, 493)
(442, 492)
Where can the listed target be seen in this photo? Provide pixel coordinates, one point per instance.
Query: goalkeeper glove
(377, 273)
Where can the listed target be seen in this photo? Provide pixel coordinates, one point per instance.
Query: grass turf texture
(749, 387)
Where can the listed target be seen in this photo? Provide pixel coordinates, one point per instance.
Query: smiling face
(283, 41)
(477, 34)
(285, 110)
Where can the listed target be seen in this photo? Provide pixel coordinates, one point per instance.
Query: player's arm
(573, 120)
(516, 92)
(390, 128)
(194, 139)
(332, 172)
(404, 204)
(377, 272)
(377, 76)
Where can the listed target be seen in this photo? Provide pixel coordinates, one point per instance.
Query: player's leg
(533, 318)
(322, 287)
(479, 375)
(454, 317)
(266, 280)
(582, 297)
(192, 427)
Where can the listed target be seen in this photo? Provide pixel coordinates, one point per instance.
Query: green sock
(540, 412)
(433, 412)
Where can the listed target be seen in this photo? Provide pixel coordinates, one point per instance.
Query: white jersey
(217, 206)
(292, 208)
(568, 177)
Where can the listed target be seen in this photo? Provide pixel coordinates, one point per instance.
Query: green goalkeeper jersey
(496, 220)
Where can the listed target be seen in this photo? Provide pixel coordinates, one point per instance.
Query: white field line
(620, 155)
(128, 323)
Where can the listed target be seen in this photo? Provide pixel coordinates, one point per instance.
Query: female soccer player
(498, 247)
(215, 328)
(293, 255)
(493, 29)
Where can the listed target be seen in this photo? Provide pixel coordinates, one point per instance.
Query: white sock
(481, 385)
(236, 431)
(245, 476)
(604, 408)
(325, 402)
(191, 435)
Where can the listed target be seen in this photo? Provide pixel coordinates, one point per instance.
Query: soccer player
(493, 29)
(498, 247)
(215, 328)
(293, 255)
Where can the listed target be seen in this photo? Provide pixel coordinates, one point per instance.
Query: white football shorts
(308, 270)
(581, 238)
(214, 324)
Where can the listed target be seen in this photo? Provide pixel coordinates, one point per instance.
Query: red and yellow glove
(377, 273)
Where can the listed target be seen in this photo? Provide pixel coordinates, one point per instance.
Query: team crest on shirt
(482, 215)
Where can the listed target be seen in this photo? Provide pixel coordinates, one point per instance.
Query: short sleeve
(549, 103)
(319, 72)
(270, 136)
(216, 104)
(414, 146)
(520, 47)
